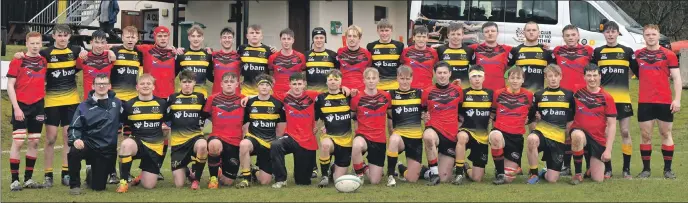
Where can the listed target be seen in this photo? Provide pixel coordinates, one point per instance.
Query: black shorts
(60, 115)
(229, 158)
(377, 152)
(649, 111)
(151, 161)
(34, 116)
(479, 151)
(552, 151)
(181, 154)
(623, 110)
(413, 148)
(513, 146)
(592, 147)
(445, 146)
(342, 155)
(262, 154)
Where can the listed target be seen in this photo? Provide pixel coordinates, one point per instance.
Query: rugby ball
(347, 183)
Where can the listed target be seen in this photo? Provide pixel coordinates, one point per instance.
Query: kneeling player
(475, 117)
(406, 131)
(512, 105)
(188, 143)
(144, 114)
(594, 126)
(227, 118)
(264, 118)
(555, 107)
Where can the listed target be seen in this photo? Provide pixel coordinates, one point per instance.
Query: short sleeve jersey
(160, 63)
(262, 117)
(318, 66)
(459, 60)
(406, 113)
(300, 114)
(615, 64)
(227, 117)
(494, 60)
(91, 67)
(556, 107)
(334, 111)
(371, 114)
(199, 62)
(422, 63)
(283, 67)
(184, 112)
(386, 58)
(352, 64)
(30, 73)
(254, 61)
(60, 80)
(512, 110)
(592, 111)
(654, 72)
(145, 119)
(533, 60)
(222, 63)
(475, 111)
(572, 61)
(442, 104)
(126, 70)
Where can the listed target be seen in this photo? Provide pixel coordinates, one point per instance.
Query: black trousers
(107, 28)
(304, 160)
(101, 166)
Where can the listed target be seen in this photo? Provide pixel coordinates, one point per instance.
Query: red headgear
(160, 29)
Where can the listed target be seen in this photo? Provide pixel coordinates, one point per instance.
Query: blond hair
(384, 24)
(404, 70)
(146, 76)
(553, 68)
(131, 29)
(651, 26)
(354, 29)
(195, 28)
(370, 70)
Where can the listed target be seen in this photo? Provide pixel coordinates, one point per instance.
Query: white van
(511, 16)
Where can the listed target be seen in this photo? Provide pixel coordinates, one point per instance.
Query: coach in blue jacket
(93, 135)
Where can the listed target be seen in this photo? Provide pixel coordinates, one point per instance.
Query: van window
(541, 12)
(490, 10)
(585, 16)
(445, 10)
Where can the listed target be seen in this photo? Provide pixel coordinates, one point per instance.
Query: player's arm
(595, 55)
(512, 58)
(610, 131)
(208, 108)
(282, 123)
(549, 56)
(76, 128)
(633, 63)
(178, 65)
(676, 76)
(210, 73)
(12, 74)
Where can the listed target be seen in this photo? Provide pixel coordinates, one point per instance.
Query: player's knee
(462, 137)
(326, 146)
(625, 133)
(496, 138)
(245, 146)
(577, 136)
(533, 140)
(128, 146)
(358, 144)
(50, 141)
(33, 143)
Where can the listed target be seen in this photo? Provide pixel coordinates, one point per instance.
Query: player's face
(352, 39)
(287, 41)
(651, 37)
(334, 83)
(229, 84)
(145, 87)
(592, 78)
(98, 45)
(404, 81)
(227, 40)
(254, 36)
(264, 88)
(188, 86)
(196, 39)
(477, 80)
(456, 36)
(420, 39)
(101, 86)
(129, 39)
(532, 32)
(34, 45)
(385, 34)
(371, 80)
(297, 87)
(553, 79)
(442, 75)
(610, 35)
(571, 37)
(515, 81)
(490, 34)
(162, 39)
(319, 41)
(61, 39)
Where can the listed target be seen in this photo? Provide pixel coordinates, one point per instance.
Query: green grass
(616, 189)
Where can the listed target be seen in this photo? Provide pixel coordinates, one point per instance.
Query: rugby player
(196, 60)
(145, 114)
(264, 121)
(442, 104)
(474, 116)
(285, 63)
(225, 60)
(421, 58)
(615, 62)
(227, 116)
(457, 55)
(555, 107)
(492, 56)
(353, 59)
(332, 107)
(26, 91)
(320, 61)
(656, 65)
(385, 53)
(254, 59)
(406, 128)
(513, 107)
(594, 126)
(187, 140)
(99, 61)
(532, 57)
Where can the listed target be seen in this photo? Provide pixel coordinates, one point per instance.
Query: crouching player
(594, 126)
(555, 107)
(265, 120)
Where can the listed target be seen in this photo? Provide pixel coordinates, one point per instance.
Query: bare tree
(670, 15)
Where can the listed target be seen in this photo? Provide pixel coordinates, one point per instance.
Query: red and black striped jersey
(494, 60)
(572, 61)
(284, 66)
(300, 113)
(654, 72)
(371, 114)
(422, 63)
(160, 63)
(30, 73)
(512, 110)
(222, 63)
(442, 104)
(91, 67)
(352, 64)
(592, 111)
(227, 117)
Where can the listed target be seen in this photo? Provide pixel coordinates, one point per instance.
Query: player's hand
(425, 116)
(346, 91)
(165, 127)
(244, 101)
(83, 55)
(456, 82)
(111, 55)
(273, 49)
(18, 114)
(180, 50)
(354, 92)
(545, 46)
(606, 156)
(323, 130)
(538, 116)
(209, 50)
(675, 106)
(78, 144)
(19, 55)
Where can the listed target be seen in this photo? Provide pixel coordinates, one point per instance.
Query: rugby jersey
(334, 111)
(385, 58)
(91, 67)
(160, 63)
(145, 119)
(533, 60)
(615, 63)
(654, 72)
(185, 113)
(318, 66)
(592, 111)
(494, 60)
(572, 61)
(556, 107)
(352, 63)
(30, 74)
(262, 117)
(459, 60)
(512, 110)
(442, 104)
(254, 61)
(222, 63)
(422, 62)
(300, 114)
(406, 113)
(227, 117)
(126, 70)
(371, 114)
(60, 80)
(197, 61)
(475, 111)
(283, 67)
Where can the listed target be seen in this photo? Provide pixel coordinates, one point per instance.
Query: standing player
(420, 58)
(25, 88)
(442, 104)
(572, 59)
(254, 59)
(285, 63)
(370, 108)
(298, 138)
(196, 60)
(127, 68)
(320, 62)
(615, 62)
(457, 55)
(332, 107)
(385, 53)
(513, 107)
(656, 64)
(407, 131)
(492, 56)
(475, 115)
(353, 59)
(225, 60)
(556, 108)
(532, 57)
(227, 116)
(594, 126)
(145, 114)
(99, 61)
(264, 119)
(187, 140)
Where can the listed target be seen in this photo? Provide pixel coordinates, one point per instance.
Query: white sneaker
(15, 186)
(31, 184)
(391, 182)
(280, 184)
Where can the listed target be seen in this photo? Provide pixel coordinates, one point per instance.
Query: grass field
(616, 189)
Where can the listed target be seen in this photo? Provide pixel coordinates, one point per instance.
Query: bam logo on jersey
(610, 70)
(264, 124)
(385, 64)
(553, 112)
(248, 66)
(127, 70)
(477, 112)
(58, 73)
(403, 109)
(335, 117)
(181, 114)
(318, 71)
(147, 124)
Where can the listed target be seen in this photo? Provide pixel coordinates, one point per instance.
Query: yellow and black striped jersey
(459, 60)
(125, 72)
(334, 111)
(185, 115)
(533, 60)
(615, 63)
(475, 111)
(254, 61)
(318, 66)
(386, 58)
(198, 62)
(60, 78)
(262, 117)
(406, 113)
(556, 108)
(145, 119)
